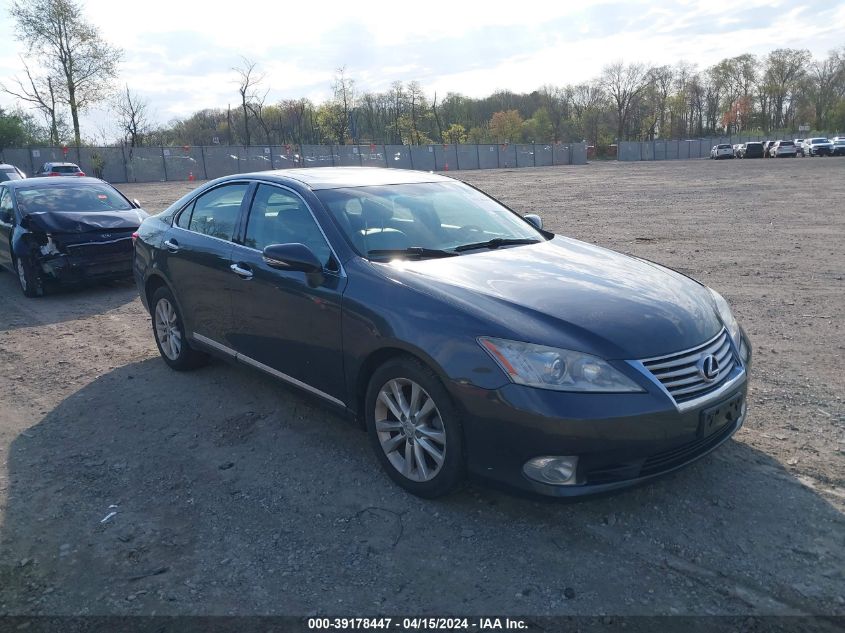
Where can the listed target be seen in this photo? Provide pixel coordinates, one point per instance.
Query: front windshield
(434, 216)
(70, 198)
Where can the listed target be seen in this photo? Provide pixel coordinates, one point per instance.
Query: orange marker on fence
(190, 176)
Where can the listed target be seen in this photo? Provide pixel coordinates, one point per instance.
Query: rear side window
(65, 169)
(215, 213)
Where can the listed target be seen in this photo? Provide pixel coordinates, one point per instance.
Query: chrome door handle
(240, 271)
(172, 245)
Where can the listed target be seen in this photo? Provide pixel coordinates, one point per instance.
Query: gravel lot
(126, 488)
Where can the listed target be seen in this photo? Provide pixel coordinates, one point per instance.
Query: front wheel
(415, 428)
(169, 331)
(28, 278)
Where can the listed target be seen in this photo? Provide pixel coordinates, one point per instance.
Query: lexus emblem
(106, 235)
(708, 368)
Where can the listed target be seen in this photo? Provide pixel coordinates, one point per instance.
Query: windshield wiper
(496, 242)
(413, 251)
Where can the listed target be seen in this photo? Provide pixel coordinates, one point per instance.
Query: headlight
(556, 369)
(727, 316)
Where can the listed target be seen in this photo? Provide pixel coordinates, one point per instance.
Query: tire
(403, 442)
(169, 333)
(29, 281)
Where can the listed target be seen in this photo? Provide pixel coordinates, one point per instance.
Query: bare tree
(71, 48)
(344, 97)
(132, 117)
(248, 80)
(624, 84)
(41, 93)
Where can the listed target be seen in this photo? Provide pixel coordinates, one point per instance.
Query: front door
(282, 320)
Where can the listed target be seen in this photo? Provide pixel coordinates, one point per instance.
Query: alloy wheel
(410, 429)
(21, 274)
(167, 329)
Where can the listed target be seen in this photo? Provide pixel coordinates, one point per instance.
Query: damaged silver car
(65, 229)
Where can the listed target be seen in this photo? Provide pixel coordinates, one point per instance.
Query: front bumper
(621, 440)
(66, 268)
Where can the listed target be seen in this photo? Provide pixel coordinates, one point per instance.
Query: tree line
(77, 69)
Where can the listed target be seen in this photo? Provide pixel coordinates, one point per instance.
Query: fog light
(557, 471)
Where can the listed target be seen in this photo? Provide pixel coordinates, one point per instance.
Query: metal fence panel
(543, 155)
(507, 155)
(579, 153)
(488, 156)
(286, 156)
(19, 157)
(318, 155)
(672, 149)
(398, 156)
(183, 163)
(145, 164)
(561, 154)
(347, 155)
(466, 156)
(221, 160)
(422, 157)
(445, 157)
(524, 155)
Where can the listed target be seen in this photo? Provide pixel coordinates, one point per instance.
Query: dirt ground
(127, 488)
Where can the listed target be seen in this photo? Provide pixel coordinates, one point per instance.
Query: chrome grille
(680, 373)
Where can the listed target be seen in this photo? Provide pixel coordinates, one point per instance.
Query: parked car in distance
(781, 149)
(723, 150)
(58, 169)
(738, 149)
(767, 146)
(464, 336)
(65, 229)
(799, 146)
(819, 146)
(10, 172)
(752, 149)
(838, 146)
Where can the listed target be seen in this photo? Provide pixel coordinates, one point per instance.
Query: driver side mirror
(535, 219)
(136, 203)
(295, 257)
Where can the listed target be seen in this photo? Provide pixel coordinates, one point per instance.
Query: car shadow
(61, 303)
(221, 492)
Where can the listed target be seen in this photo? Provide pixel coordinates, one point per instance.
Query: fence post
(411, 156)
(535, 154)
(204, 169)
(163, 163)
(384, 151)
(331, 153)
(31, 162)
(272, 165)
(457, 159)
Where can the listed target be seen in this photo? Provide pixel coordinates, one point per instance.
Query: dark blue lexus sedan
(467, 339)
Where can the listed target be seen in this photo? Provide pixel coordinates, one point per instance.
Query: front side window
(278, 216)
(216, 212)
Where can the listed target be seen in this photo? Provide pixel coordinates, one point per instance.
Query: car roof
(55, 181)
(317, 178)
(60, 164)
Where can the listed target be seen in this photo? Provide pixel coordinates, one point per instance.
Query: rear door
(282, 320)
(196, 257)
(7, 223)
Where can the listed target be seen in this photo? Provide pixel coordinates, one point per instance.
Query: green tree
(71, 50)
(539, 129)
(506, 126)
(12, 130)
(455, 134)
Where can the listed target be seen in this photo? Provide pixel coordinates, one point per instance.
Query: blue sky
(179, 55)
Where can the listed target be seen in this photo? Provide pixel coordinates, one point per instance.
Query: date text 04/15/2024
(417, 624)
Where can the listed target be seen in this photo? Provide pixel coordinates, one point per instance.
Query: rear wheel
(28, 278)
(414, 428)
(170, 333)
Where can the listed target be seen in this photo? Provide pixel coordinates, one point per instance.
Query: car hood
(82, 222)
(571, 294)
